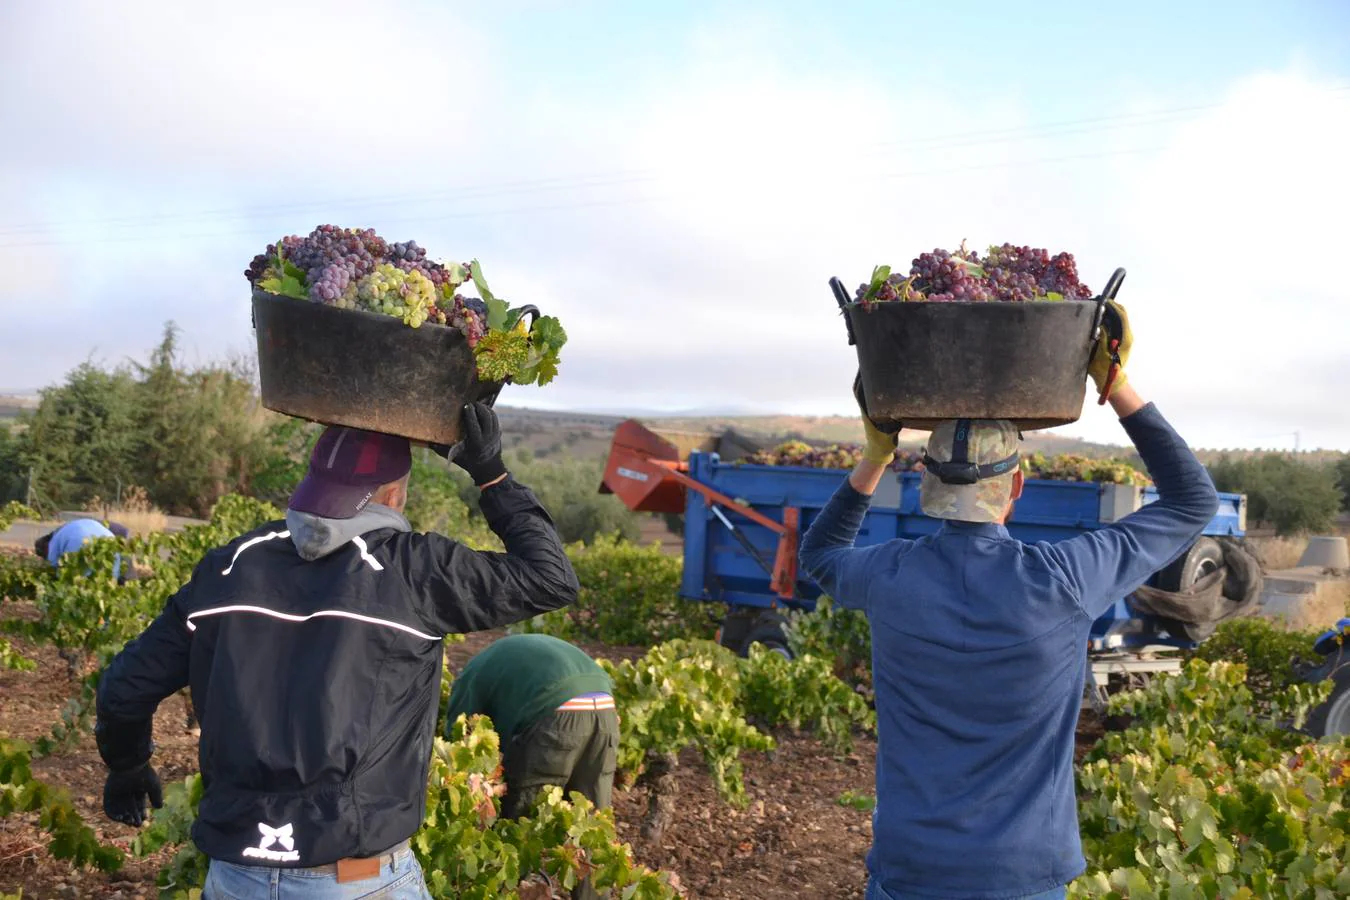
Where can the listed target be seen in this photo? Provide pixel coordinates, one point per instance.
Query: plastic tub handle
(1108, 293)
(842, 298)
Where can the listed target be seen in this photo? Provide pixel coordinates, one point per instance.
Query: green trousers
(575, 750)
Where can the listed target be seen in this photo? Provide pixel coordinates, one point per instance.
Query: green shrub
(681, 694)
(837, 634)
(1204, 797)
(629, 596)
(1268, 652)
(802, 693)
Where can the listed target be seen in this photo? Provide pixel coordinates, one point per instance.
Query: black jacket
(317, 683)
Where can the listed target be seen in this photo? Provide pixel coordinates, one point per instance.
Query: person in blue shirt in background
(979, 648)
(73, 535)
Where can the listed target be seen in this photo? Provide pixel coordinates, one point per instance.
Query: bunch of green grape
(409, 296)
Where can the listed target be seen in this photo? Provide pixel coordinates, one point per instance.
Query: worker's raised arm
(473, 590)
(1109, 563)
(827, 554)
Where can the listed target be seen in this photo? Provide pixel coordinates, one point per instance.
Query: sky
(678, 182)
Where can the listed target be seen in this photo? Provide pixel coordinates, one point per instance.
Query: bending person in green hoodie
(552, 706)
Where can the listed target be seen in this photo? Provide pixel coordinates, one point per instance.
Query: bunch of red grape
(357, 269)
(1007, 272)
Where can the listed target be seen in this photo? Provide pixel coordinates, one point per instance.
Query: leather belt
(358, 868)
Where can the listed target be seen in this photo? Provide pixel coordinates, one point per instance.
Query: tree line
(189, 435)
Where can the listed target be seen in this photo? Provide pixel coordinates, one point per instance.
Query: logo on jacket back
(271, 836)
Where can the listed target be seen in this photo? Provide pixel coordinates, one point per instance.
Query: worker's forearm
(830, 538)
(866, 476)
(1185, 490)
(1125, 400)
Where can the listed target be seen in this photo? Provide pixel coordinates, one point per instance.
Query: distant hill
(550, 432)
(587, 435)
(13, 404)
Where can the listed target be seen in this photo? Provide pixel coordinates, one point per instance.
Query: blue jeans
(399, 880)
(876, 892)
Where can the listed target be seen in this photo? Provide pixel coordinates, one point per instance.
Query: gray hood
(315, 537)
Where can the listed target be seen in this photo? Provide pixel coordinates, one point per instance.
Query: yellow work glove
(880, 445)
(1115, 326)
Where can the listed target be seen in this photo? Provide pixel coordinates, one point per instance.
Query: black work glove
(125, 793)
(447, 452)
(481, 452)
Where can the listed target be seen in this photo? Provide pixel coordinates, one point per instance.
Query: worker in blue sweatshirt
(979, 648)
(75, 534)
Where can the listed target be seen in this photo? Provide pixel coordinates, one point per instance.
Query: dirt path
(24, 533)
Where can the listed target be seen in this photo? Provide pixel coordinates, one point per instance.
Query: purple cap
(346, 468)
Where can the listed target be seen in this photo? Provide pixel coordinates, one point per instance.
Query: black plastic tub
(365, 370)
(925, 362)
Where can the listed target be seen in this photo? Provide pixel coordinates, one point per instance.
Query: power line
(1040, 161)
(249, 231)
(463, 192)
(982, 137)
(579, 205)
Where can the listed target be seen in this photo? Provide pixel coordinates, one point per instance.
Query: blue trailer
(742, 523)
(723, 568)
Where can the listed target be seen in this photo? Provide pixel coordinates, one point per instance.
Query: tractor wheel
(1204, 558)
(770, 631)
(735, 630)
(1333, 716)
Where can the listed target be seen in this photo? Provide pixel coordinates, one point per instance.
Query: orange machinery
(648, 472)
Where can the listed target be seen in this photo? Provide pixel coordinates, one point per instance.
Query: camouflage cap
(990, 441)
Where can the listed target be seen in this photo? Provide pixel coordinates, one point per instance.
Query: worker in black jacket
(313, 650)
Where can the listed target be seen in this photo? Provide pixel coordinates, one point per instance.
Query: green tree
(202, 432)
(1294, 496)
(188, 436)
(82, 438)
(286, 446)
(1342, 467)
(569, 488)
(13, 475)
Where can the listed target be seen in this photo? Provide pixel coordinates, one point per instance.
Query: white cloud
(240, 88)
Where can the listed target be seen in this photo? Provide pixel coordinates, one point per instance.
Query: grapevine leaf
(544, 370)
(501, 354)
(476, 272)
(286, 285)
(548, 334)
(291, 270)
(456, 274)
(974, 268)
(879, 276)
(497, 312)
